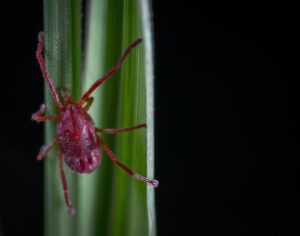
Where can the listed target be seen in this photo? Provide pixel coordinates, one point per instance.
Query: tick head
(67, 97)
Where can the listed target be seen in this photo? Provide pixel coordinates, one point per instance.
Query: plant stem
(62, 54)
(108, 201)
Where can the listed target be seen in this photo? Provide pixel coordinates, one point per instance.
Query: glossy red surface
(77, 138)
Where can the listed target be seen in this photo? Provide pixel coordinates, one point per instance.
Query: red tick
(76, 134)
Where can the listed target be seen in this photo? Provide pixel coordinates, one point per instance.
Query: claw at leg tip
(154, 183)
(71, 211)
(41, 36)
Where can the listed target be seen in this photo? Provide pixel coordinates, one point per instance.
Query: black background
(226, 93)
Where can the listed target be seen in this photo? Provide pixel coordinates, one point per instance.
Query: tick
(76, 134)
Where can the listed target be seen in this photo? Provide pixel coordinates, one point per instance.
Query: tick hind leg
(39, 115)
(112, 156)
(45, 149)
(112, 131)
(71, 210)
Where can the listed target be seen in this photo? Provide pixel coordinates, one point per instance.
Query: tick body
(77, 139)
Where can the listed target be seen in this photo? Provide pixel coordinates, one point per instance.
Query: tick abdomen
(78, 141)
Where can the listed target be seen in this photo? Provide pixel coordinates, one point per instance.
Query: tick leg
(111, 72)
(89, 102)
(45, 74)
(45, 149)
(71, 210)
(112, 131)
(38, 115)
(112, 156)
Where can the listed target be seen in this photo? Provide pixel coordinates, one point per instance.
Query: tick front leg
(112, 156)
(71, 210)
(112, 131)
(110, 73)
(45, 149)
(45, 74)
(39, 115)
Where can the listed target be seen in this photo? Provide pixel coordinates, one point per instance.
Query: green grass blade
(107, 202)
(116, 204)
(101, 54)
(62, 55)
(145, 8)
